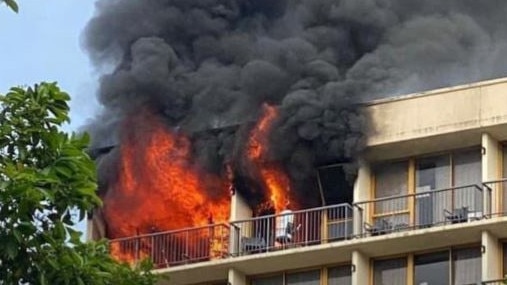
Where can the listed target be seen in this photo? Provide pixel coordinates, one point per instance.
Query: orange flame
(158, 188)
(275, 180)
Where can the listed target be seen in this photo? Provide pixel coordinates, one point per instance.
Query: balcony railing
(173, 248)
(493, 282)
(312, 226)
(292, 229)
(422, 210)
(498, 189)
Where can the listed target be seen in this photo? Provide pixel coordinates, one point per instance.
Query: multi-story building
(427, 208)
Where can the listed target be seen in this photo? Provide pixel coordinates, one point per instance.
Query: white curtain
(467, 171)
(273, 280)
(467, 266)
(339, 275)
(304, 278)
(390, 272)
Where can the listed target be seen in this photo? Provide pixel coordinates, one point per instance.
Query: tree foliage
(44, 173)
(11, 4)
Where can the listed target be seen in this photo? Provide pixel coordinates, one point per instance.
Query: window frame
(411, 163)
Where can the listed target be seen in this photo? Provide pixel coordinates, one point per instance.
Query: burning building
(235, 128)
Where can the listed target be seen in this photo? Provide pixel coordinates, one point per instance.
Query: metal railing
(422, 210)
(173, 248)
(493, 282)
(312, 226)
(292, 229)
(498, 189)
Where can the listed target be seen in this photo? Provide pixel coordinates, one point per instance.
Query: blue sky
(43, 43)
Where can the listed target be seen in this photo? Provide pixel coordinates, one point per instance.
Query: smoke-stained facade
(206, 65)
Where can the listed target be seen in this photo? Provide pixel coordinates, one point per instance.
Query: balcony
(172, 248)
(312, 227)
(498, 188)
(423, 210)
(493, 282)
(292, 229)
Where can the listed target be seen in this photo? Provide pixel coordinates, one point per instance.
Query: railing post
(306, 228)
(187, 242)
(152, 255)
(137, 249)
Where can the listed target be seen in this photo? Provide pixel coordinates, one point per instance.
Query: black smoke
(211, 64)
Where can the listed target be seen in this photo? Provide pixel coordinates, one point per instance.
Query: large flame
(274, 179)
(158, 188)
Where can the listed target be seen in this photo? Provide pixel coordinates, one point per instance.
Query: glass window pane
(431, 269)
(467, 266)
(390, 272)
(504, 245)
(391, 180)
(504, 170)
(272, 280)
(467, 171)
(432, 173)
(304, 278)
(502, 187)
(467, 167)
(341, 275)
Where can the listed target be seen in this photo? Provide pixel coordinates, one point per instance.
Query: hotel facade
(428, 207)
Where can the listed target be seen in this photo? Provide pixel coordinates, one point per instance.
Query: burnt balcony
(424, 209)
(172, 248)
(291, 229)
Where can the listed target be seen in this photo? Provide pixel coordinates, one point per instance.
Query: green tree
(11, 4)
(44, 173)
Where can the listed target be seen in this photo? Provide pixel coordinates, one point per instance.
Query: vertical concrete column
(362, 188)
(236, 277)
(491, 170)
(239, 211)
(95, 227)
(491, 257)
(239, 208)
(360, 268)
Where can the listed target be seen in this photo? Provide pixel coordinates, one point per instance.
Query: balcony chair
(380, 227)
(459, 215)
(253, 245)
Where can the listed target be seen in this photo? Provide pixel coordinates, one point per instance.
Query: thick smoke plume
(210, 65)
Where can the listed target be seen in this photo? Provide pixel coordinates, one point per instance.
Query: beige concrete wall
(361, 268)
(362, 188)
(239, 208)
(461, 112)
(95, 226)
(239, 211)
(492, 257)
(236, 277)
(491, 170)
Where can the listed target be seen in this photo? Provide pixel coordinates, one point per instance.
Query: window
(272, 280)
(304, 278)
(391, 180)
(467, 167)
(467, 266)
(432, 173)
(339, 275)
(390, 272)
(454, 266)
(432, 269)
(504, 258)
(436, 201)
